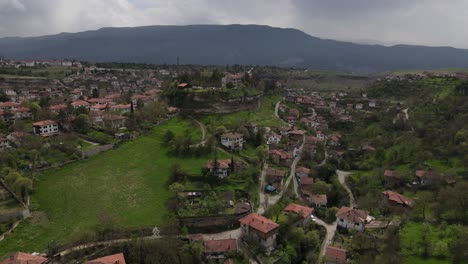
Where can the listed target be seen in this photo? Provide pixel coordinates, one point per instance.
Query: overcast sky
(426, 22)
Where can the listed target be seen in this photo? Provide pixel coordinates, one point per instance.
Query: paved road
(342, 179)
(261, 191)
(272, 200)
(331, 229)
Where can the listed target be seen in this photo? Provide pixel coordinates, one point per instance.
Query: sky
(422, 22)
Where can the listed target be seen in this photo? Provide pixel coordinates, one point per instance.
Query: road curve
(342, 179)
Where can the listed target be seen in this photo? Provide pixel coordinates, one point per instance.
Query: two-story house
(222, 170)
(45, 128)
(260, 228)
(232, 140)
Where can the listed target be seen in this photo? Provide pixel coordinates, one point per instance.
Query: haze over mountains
(229, 44)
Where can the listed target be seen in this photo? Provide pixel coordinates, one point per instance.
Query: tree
(168, 137)
(95, 93)
(221, 130)
(458, 246)
(81, 123)
(176, 187)
(320, 187)
(425, 198)
(35, 108)
(262, 153)
(3, 97)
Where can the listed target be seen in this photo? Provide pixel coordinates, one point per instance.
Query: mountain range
(229, 44)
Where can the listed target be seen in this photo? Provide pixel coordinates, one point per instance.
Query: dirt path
(342, 179)
(102, 243)
(276, 109)
(203, 138)
(235, 233)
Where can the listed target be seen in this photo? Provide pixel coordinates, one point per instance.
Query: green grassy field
(129, 184)
(35, 73)
(419, 260)
(264, 116)
(411, 238)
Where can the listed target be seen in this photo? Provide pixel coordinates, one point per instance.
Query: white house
(45, 128)
(273, 138)
(232, 140)
(223, 168)
(351, 218)
(321, 136)
(4, 143)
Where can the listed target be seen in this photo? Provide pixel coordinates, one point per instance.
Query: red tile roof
(121, 106)
(259, 223)
(112, 259)
(99, 106)
(222, 164)
(232, 135)
(219, 246)
(352, 215)
(275, 172)
(303, 170)
(172, 109)
(24, 258)
(398, 198)
(307, 181)
(283, 154)
(304, 211)
(297, 132)
(390, 173)
(80, 103)
(312, 139)
(183, 85)
(45, 123)
(57, 107)
(99, 100)
(318, 199)
(9, 104)
(336, 254)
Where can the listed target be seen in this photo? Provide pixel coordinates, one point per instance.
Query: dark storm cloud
(429, 22)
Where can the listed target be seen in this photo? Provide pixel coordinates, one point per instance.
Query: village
(262, 180)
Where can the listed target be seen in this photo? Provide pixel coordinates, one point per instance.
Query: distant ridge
(229, 44)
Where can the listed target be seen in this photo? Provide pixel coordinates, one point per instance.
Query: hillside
(230, 44)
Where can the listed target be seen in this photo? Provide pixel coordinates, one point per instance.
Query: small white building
(232, 140)
(45, 128)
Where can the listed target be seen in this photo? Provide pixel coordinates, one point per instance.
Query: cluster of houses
(40, 63)
(25, 258)
(97, 92)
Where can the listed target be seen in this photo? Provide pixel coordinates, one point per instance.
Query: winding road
(273, 199)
